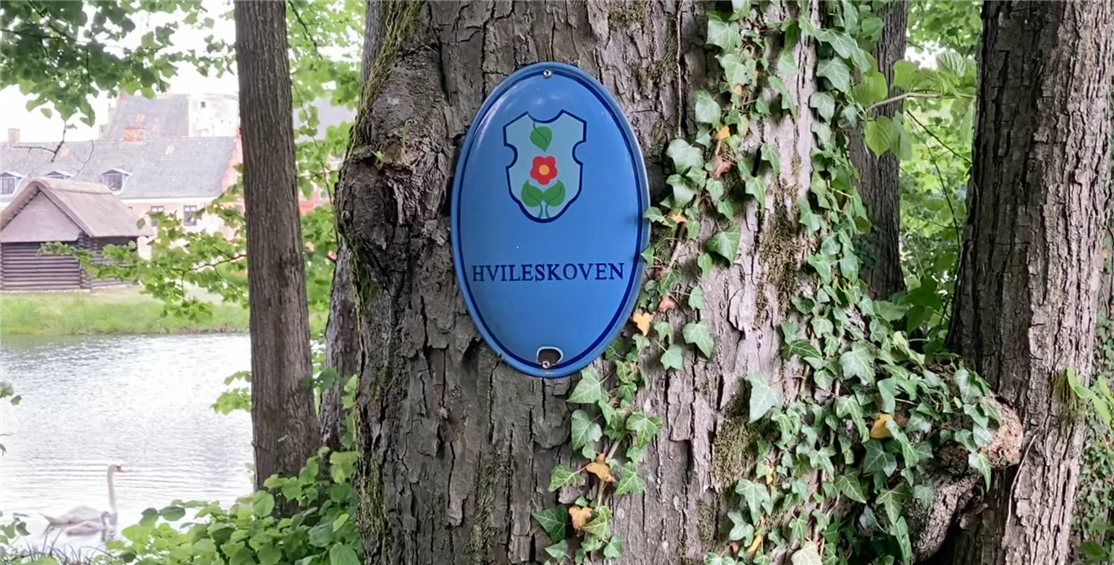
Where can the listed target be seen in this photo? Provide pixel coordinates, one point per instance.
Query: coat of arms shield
(545, 176)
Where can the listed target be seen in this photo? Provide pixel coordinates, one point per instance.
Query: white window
(114, 180)
(8, 183)
(189, 215)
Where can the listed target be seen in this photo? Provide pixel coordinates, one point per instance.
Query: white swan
(81, 514)
(91, 527)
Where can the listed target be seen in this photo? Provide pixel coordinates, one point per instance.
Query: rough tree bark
(456, 447)
(878, 176)
(284, 424)
(1029, 278)
(342, 332)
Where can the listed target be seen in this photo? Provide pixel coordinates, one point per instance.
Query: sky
(34, 126)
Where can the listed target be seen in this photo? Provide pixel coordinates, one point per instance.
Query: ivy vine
(836, 467)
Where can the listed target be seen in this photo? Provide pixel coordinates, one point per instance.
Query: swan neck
(111, 493)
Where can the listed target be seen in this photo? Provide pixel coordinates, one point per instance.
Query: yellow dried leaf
(580, 516)
(600, 469)
(756, 544)
(678, 217)
(738, 90)
(642, 320)
(879, 429)
(723, 133)
(770, 477)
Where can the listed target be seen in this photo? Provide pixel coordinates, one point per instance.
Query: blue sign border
(565, 367)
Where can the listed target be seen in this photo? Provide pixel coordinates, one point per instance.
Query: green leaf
(643, 427)
(262, 503)
(901, 532)
(555, 195)
(664, 332)
(553, 522)
(597, 526)
(769, 153)
(980, 463)
(738, 70)
(877, 460)
(614, 547)
(343, 555)
(756, 189)
(542, 137)
(698, 334)
(924, 495)
(741, 528)
(685, 157)
(562, 476)
(879, 135)
(705, 264)
(887, 389)
(707, 109)
(857, 362)
(963, 382)
(871, 27)
(824, 104)
(802, 348)
(696, 299)
(891, 501)
(269, 555)
(848, 407)
(531, 195)
(906, 75)
(673, 358)
(871, 89)
(654, 215)
(585, 432)
(807, 218)
(837, 72)
(559, 550)
(809, 554)
(682, 192)
(589, 390)
(172, 513)
(629, 481)
(755, 494)
(726, 243)
(722, 34)
(851, 488)
(763, 397)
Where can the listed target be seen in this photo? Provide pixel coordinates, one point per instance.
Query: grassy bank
(106, 311)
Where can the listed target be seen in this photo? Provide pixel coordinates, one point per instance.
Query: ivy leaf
(807, 218)
(553, 522)
(871, 89)
(698, 334)
(737, 70)
(858, 362)
(851, 488)
(963, 382)
(924, 495)
(705, 264)
(589, 390)
(696, 299)
(763, 397)
(807, 555)
(848, 407)
(901, 532)
(707, 109)
(756, 189)
(598, 526)
(741, 528)
(824, 104)
(770, 154)
(887, 389)
(585, 432)
(726, 243)
(797, 527)
(644, 428)
(629, 481)
(980, 463)
(877, 461)
(614, 547)
(891, 501)
(685, 157)
(559, 550)
(786, 100)
(837, 72)
(664, 331)
(673, 358)
(562, 476)
(802, 348)
(722, 34)
(755, 494)
(682, 192)
(654, 215)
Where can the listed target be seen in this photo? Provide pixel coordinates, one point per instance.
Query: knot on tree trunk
(955, 483)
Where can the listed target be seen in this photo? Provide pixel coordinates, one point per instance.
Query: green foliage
(1094, 522)
(321, 530)
(64, 53)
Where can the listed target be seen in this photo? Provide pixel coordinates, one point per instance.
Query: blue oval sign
(547, 225)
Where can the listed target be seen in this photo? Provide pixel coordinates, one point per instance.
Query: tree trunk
(878, 176)
(284, 424)
(342, 337)
(1026, 303)
(456, 447)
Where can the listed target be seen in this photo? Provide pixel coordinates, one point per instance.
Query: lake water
(142, 402)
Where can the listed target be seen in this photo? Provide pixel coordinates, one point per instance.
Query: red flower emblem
(544, 169)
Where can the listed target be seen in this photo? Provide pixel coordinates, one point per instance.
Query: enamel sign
(547, 220)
